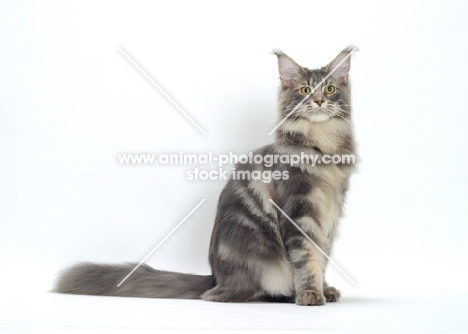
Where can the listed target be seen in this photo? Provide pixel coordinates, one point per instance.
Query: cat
(256, 253)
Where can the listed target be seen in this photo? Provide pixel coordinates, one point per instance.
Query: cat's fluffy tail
(102, 280)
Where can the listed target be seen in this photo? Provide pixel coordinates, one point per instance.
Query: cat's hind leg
(235, 284)
(229, 294)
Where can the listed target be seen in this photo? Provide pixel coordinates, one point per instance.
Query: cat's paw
(331, 294)
(310, 297)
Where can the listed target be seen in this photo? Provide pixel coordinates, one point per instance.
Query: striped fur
(255, 252)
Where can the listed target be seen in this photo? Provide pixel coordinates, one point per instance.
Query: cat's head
(318, 95)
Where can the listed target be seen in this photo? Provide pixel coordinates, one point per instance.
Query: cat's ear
(289, 70)
(341, 65)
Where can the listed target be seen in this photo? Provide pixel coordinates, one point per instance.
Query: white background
(70, 102)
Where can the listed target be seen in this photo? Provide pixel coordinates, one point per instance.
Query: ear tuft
(351, 48)
(277, 52)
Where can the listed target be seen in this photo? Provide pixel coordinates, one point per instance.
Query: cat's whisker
(343, 110)
(337, 109)
(339, 115)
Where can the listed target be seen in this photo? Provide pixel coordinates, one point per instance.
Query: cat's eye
(329, 90)
(305, 90)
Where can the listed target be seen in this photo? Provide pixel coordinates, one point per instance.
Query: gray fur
(255, 252)
(102, 279)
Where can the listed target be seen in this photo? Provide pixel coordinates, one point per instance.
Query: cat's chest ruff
(326, 196)
(326, 136)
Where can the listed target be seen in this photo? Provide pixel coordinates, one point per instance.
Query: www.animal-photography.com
(233, 166)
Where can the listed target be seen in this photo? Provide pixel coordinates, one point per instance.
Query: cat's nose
(319, 102)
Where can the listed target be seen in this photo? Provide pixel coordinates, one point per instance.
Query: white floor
(52, 313)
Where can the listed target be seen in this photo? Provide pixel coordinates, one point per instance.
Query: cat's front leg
(308, 285)
(308, 263)
(331, 293)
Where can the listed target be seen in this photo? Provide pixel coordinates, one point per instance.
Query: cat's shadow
(343, 300)
(361, 300)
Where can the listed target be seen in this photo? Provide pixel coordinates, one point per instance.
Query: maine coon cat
(256, 253)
